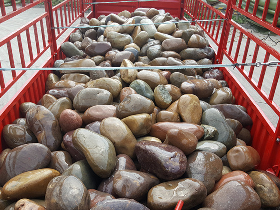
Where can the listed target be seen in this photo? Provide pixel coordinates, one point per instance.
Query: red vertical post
(182, 5)
(82, 8)
(93, 9)
(194, 18)
(225, 31)
(50, 29)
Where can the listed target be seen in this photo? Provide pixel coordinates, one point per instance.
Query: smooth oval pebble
(197, 41)
(59, 105)
(139, 124)
(120, 203)
(243, 158)
(267, 190)
(133, 184)
(100, 153)
(98, 113)
(167, 116)
(30, 184)
(221, 96)
(82, 170)
(76, 77)
(118, 40)
(189, 108)
(98, 48)
(119, 134)
(47, 100)
(183, 140)
(128, 75)
(98, 96)
(24, 158)
(70, 120)
(3, 155)
(60, 161)
(176, 44)
(174, 91)
(111, 85)
(160, 129)
(166, 195)
(24, 107)
(149, 27)
(66, 192)
(200, 87)
(135, 104)
(233, 195)
(169, 166)
(45, 126)
(152, 78)
(237, 176)
(16, 135)
(205, 167)
(215, 147)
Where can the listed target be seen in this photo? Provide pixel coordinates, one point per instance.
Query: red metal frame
(264, 134)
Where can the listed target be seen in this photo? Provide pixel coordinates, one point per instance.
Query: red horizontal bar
(18, 11)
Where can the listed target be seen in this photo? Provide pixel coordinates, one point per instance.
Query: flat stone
(212, 146)
(98, 48)
(167, 194)
(98, 113)
(100, 153)
(167, 28)
(58, 194)
(160, 129)
(119, 134)
(120, 56)
(197, 53)
(181, 139)
(98, 96)
(176, 44)
(197, 41)
(69, 49)
(152, 78)
(24, 158)
(25, 185)
(122, 203)
(168, 167)
(118, 40)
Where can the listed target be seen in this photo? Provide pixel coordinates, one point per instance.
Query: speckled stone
(142, 88)
(162, 97)
(168, 167)
(233, 195)
(205, 167)
(166, 195)
(174, 91)
(119, 134)
(209, 132)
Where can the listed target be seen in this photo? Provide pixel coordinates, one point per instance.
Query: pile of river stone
(134, 139)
